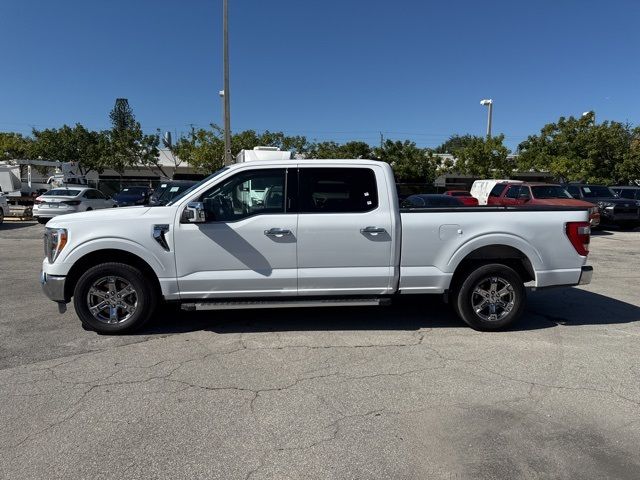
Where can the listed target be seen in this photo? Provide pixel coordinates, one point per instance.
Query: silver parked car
(60, 201)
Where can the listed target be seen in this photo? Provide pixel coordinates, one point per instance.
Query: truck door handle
(277, 232)
(374, 230)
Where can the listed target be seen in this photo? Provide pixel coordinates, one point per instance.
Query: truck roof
(311, 161)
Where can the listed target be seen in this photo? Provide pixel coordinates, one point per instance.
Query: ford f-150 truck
(307, 233)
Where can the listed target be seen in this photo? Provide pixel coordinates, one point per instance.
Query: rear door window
(337, 190)
(514, 191)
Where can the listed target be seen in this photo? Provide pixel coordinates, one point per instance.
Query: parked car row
(615, 205)
(607, 205)
(515, 194)
(60, 201)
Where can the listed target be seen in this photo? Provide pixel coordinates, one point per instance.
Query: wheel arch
(97, 257)
(497, 253)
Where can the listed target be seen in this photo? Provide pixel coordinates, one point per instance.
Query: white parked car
(61, 201)
(307, 233)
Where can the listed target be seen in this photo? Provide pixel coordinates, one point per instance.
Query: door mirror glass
(194, 213)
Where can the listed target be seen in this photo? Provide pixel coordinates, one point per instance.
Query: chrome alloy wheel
(112, 299)
(493, 298)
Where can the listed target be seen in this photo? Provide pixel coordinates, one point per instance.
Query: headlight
(55, 240)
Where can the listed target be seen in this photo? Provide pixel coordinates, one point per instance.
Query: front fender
(64, 264)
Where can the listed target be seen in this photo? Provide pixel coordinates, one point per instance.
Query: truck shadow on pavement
(545, 309)
(12, 225)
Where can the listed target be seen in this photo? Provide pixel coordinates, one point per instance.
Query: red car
(464, 196)
(513, 194)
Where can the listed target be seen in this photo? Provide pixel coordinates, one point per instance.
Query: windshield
(549, 191)
(182, 193)
(597, 191)
(62, 192)
(627, 193)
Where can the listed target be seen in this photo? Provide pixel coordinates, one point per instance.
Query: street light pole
(488, 103)
(226, 95)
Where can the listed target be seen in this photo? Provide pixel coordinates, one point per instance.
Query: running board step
(279, 303)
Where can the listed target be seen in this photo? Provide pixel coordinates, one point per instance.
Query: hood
(127, 197)
(563, 202)
(103, 215)
(614, 201)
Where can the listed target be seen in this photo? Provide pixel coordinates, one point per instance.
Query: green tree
(71, 144)
(454, 143)
(203, 149)
(629, 170)
(14, 146)
(484, 157)
(578, 149)
(409, 162)
(128, 145)
(330, 149)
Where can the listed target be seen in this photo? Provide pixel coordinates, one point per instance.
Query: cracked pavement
(405, 391)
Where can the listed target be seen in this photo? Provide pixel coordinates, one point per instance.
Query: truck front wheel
(491, 297)
(114, 298)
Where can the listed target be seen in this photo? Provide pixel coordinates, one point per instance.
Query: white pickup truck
(303, 233)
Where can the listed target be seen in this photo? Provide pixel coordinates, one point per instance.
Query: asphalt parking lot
(405, 391)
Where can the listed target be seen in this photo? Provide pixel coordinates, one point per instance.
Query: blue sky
(328, 69)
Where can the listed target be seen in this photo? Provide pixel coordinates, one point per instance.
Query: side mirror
(524, 197)
(194, 213)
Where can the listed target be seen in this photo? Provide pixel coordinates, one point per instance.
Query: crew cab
(520, 193)
(307, 233)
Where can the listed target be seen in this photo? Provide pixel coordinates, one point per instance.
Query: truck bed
(436, 240)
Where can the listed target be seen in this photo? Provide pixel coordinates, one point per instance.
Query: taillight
(71, 202)
(579, 234)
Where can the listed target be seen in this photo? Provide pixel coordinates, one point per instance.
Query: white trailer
(481, 188)
(21, 183)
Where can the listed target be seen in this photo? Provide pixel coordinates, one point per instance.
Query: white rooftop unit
(262, 153)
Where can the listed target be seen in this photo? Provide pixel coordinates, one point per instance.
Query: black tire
(1, 216)
(42, 220)
(142, 298)
(505, 311)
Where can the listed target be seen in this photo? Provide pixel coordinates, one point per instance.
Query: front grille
(623, 209)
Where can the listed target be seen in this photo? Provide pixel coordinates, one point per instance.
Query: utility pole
(488, 103)
(226, 96)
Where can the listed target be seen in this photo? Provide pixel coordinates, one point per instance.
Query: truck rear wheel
(491, 297)
(114, 298)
